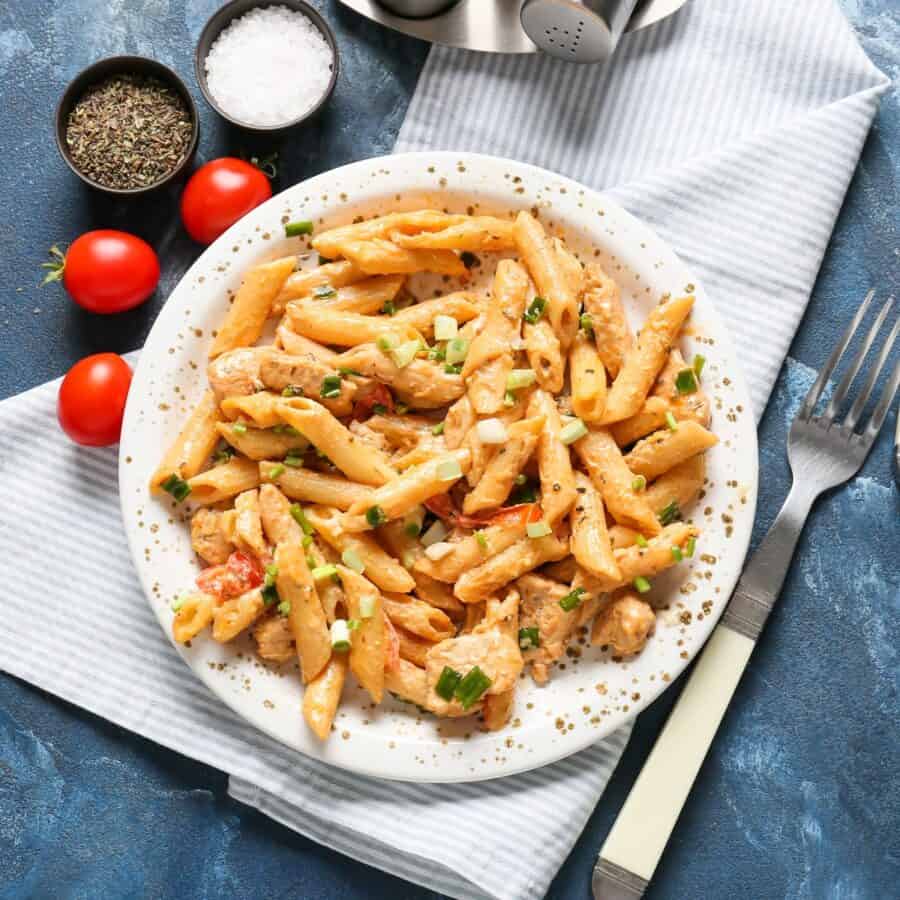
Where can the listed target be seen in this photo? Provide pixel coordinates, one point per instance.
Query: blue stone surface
(800, 795)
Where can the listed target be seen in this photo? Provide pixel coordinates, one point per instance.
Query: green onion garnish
(482, 540)
(524, 494)
(346, 370)
(671, 421)
(686, 382)
(294, 461)
(331, 387)
(366, 607)
(535, 310)
(529, 638)
(176, 486)
(375, 516)
(389, 309)
(323, 291)
(638, 483)
(699, 363)
(669, 514)
(573, 431)
(412, 529)
(449, 470)
(438, 429)
(239, 428)
(641, 541)
(269, 594)
(284, 608)
(445, 328)
(471, 688)
(301, 520)
(405, 353)
(320, 573)
(457, 350)
(353, 624)
(223, 454)
(294, 229)
(437, 353)
(677, 554)
(292, 390)
(385, 343)
(690, 546)
(447, 683)
(572, 599)
(641, 585)
(275, 471)
(379, 409)
(340, 635)
(352, 560)
(453, 370)
(586, 324)
(324, 260)
(177, 603)
(402, 409)
(306, 541)
(521, 479)
(509, 399)
(520, 378)
(538, 529)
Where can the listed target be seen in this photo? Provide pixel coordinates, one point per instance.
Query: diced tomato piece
(379, 395)
(442, 506)
(241, 573)
(520, 514)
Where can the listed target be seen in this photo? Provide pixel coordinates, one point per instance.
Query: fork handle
(640, 833)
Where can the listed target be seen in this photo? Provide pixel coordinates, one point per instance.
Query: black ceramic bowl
(124, 65)
(223, 18)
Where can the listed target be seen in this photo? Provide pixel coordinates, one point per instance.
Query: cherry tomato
(521, 514)
(238, 575)
(92, 398)
(110, 271)
(218, 194)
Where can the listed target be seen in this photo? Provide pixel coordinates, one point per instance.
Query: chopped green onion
(573, 431)
(346, 370)
(320, 573)
(491, 431)
(482, 540)
(294, 229)
(641, 585)
(521, 479)
(177, 603)
(275, 471)
(379, 409)
(445, 328)
(323, 291)
(509, 399)
(292, 390)
(677, 554)
(310, 561)
(402, 409)
(285, 429)
(535, 310)
(586, 324)
(389, 309)
(572, 599)
(223, 455)
(472, 687)
(294, 461)
(641, 541)
(457, 350)
(412, 529)
(366, 606)
(438, 429)
(301, 520)
(331, 387)
(669, 514)
(385, 343)
(405, 353)
(353, 624)
(239, 428)
(351, 559)
(671, 421)
(454, 369)
(449, 470)
(520, 378)
(686, 382)
(523, 494)
(323, 260)
(271, 573)
(284, 608)
(436, 532)
(638, 483)
(177, 487)
(269, 594)
(375, 516)
(538, 529)
(690, 546)
(699, 363)
(437, 353)
(306, 541)
(529, 638)
(408, 559)
(447, 683)
(340, 635)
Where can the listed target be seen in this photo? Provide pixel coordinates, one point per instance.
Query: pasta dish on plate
(436, 494)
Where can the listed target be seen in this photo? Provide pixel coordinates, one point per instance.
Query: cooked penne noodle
(646, 358)
(412, 647)
(381, 257)
(330, 590)
(679, 485)
(552, 274)
(298, 345)
(306, 617)
(379, 566)
(544, 352)
(323, 695)
(590, 542)
(402, 431)
(279, 525)
(500, 475)
(224, 481)
(588, 379)
(418, 617)
(471, 552)
(554, 460)
(458, 422)
(662, 450)
(261, 443)
(420, 317)
(477, 234)
(657, 556)
(315, 487)
(197, 610)
(408, 681)
(328, 243)
(232, 616)
(262, 409)
(649, 418)
(615, 481)
(193, 445)
(622, 536)
(367, 296)
(603, 303)
(304, 281)
(247, 315)
(367, 642)
(248, 531)
(346, 329)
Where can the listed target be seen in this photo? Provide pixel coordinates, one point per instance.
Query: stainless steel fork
(823, 452)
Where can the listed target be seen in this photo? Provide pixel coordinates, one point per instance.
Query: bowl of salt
(266, 65)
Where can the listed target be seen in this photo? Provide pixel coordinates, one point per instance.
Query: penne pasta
(224, 481)
(194, 614)
(662, 450)
(679, 485)
(471, 552)
(315, 487)
(303, 282)
(590, 543)
(328, 243)
(298, 345)
(462, 306)
(193, 445)
(248, 531)
(588, 379)
(367, 641)
(366, 297)
(232, 616)
(603, 304)
(408, 682)
(343, 328)
(323, 694)
(554, 461)
(649, 418)
(458, 422)
(261, 443)
(418, 618)
(544, 352)
(477, 234)
(412, 647)
(380, 257)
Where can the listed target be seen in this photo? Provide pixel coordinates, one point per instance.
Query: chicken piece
(421, 384)
(237, 372)
(274, 641)
(625, 625)
(208, 537)
(306, 373)
(497, 655)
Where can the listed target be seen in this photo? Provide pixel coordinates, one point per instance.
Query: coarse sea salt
(269, 66)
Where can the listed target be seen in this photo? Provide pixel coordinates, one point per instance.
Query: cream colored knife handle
(639, 836)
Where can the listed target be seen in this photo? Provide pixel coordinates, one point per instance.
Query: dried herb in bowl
(128, 131)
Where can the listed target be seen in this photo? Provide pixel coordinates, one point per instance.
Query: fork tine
(861, 401)
(809, 404)
(884, 404)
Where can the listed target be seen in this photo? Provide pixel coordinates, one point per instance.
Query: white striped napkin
(733, 128)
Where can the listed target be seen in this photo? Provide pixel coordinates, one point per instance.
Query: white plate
(590, 695)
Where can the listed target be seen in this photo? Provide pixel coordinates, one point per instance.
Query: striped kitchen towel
(733, 128)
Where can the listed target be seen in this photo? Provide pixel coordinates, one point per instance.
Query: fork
(823, 453)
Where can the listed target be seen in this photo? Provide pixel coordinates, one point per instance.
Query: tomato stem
(56, 265)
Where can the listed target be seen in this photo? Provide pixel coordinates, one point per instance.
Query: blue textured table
(800, 796)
